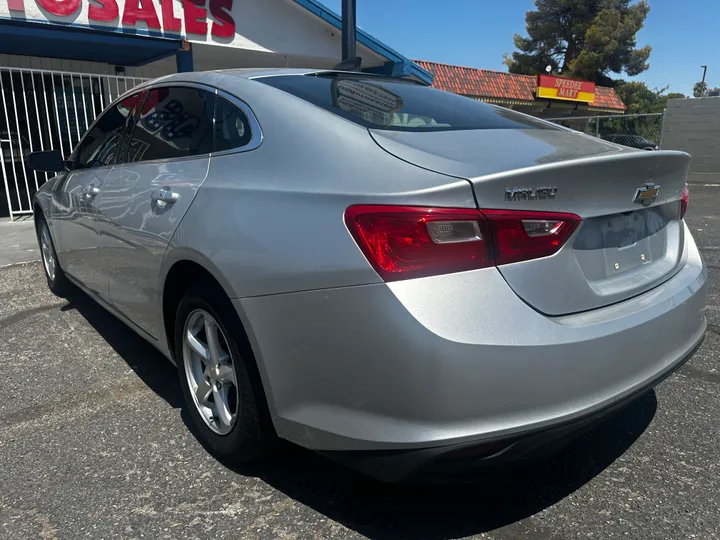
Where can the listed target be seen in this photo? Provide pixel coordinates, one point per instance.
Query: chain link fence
(642, 131)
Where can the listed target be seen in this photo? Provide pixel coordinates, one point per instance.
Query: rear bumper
(471, 461)
(416, 368)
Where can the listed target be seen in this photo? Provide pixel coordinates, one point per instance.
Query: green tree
(586, 39)
(639, 99)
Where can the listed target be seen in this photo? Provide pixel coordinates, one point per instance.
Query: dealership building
(63, 61)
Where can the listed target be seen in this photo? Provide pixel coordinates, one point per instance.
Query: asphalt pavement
(17, 241)
(94, 443)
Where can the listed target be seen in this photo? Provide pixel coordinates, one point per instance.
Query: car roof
(257, 73)
(251, 73)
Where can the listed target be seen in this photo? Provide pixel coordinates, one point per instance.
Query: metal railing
(43, 110)
(635, 130)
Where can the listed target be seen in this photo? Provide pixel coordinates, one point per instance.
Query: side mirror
(48, 161)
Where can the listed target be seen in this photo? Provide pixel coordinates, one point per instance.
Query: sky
(684, 34)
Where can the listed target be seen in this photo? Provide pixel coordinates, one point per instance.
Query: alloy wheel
(48, 253)
(210, 372)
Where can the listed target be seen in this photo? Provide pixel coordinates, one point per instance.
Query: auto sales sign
(567, 89)
(197, 19)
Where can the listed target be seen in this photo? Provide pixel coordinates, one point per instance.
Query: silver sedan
(411, 282)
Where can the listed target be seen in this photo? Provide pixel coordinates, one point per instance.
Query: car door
(146, 196)
(76, 195)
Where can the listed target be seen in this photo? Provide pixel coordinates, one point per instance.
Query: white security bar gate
(44, 110)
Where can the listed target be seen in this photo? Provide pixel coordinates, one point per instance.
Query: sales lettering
(193, 15)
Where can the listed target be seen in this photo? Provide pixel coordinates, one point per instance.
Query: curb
(703, 178)
(18, 263)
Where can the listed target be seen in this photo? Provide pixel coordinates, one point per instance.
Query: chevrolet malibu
(413, 283)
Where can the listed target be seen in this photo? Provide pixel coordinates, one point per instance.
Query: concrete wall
(693, 126)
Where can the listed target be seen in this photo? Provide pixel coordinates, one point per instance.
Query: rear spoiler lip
(587, 186)
(590, 160)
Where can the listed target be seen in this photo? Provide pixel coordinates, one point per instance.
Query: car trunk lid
(631, 235)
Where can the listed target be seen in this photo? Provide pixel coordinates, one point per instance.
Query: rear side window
(394, 105)
(232, 129)
(175, 122)
(102, 145)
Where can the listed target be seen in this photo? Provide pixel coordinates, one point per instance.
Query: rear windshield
(394, 105)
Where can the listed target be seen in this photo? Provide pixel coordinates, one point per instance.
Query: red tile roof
(497, 84)
(607, 98)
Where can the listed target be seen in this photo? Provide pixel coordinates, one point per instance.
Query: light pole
(704, 73)
(348, 30)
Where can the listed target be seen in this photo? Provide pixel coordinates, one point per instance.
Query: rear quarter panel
(271, 219)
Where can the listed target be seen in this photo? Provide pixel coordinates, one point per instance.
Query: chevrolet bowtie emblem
(646, 195)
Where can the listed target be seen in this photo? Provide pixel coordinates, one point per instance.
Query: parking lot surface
(94, 443)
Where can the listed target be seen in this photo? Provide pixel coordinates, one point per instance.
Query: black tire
(59, 284)
(252, 435)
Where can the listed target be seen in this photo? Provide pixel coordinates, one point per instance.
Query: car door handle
(165, 197)
(91, 191)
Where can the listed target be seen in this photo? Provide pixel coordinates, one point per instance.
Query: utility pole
(349, 46)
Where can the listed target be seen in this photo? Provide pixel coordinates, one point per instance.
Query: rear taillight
(684, 202)
(407, 241)
(521, 236)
